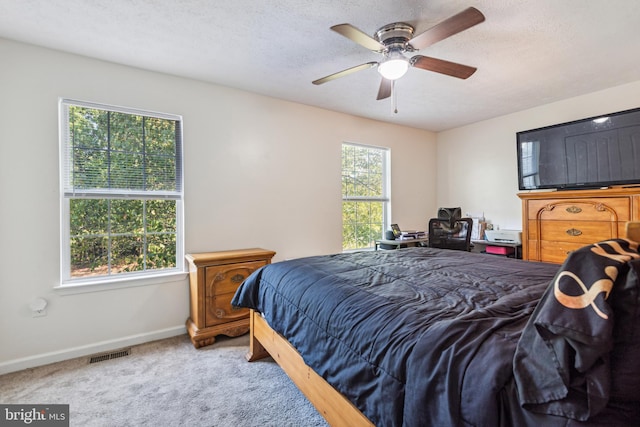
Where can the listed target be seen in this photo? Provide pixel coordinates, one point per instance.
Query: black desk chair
(450, 233)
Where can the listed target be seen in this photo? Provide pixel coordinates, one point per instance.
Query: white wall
(477, 163)
(259, 172)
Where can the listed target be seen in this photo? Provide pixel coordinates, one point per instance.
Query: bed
(424, 336)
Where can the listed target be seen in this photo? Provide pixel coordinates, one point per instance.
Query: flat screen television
(595, 152)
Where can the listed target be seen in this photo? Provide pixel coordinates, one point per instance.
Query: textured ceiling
(528, 52)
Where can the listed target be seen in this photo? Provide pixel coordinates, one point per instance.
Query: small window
(365, 195)
(121, 193)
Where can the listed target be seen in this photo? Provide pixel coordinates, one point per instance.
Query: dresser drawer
(223, 279)
(583, 232)
(556, 252)
(605, 209)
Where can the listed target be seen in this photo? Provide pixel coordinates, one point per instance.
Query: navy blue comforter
(413, 337)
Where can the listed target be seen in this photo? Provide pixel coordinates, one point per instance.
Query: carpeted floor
(168, 383)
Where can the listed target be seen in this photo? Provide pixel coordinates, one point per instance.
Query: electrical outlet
(39, 313)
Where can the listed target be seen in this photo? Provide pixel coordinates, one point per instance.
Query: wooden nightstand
(214, 278)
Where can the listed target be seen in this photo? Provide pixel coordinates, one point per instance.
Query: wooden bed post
(256, 350)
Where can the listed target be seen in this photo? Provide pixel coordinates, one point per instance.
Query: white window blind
(120, 152)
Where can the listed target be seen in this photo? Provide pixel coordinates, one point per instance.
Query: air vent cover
(108, 356)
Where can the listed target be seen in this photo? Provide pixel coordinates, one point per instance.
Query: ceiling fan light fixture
(393, 68)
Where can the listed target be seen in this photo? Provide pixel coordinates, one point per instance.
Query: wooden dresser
(214, 278)
(558, 222)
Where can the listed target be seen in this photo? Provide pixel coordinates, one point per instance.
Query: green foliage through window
(110, 236)
(365, 197)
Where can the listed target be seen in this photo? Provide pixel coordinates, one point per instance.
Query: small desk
(484, 243)
(397, 243)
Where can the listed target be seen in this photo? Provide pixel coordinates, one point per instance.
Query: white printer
(504, 236)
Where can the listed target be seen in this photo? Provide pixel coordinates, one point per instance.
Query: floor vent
(108, 356)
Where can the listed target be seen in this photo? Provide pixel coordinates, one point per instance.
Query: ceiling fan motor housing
(395, 37)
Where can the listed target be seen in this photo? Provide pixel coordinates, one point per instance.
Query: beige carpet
(167, 383)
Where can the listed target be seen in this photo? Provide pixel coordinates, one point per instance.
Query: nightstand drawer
(219, 310)
(223, 279)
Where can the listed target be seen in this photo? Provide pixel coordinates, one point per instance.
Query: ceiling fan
(393, 41)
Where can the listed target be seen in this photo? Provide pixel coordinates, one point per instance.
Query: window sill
(99, 285)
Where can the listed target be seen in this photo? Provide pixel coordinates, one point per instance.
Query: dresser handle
(574, 232)
(238, 278)
(574, 209)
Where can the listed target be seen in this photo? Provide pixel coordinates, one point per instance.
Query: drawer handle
(238, 278)
(574, 209)
(221, 313)
(574, 232)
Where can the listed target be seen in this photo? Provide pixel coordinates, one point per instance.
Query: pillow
(563, 362)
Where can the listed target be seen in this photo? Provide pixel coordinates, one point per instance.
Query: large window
(365, 195)
(121, 193)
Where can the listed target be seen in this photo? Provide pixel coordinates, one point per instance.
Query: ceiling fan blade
(344, 72)
(358, 36)
(457, 23)
(441, 66)
(385, 89)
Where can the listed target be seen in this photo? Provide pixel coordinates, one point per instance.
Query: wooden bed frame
(331, 404)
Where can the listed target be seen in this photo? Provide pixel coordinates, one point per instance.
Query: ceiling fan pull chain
(393, 93)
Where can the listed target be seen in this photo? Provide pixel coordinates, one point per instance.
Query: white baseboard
(100, 347)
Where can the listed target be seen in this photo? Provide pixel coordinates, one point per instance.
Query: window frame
(385, 198)
(118, 280)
